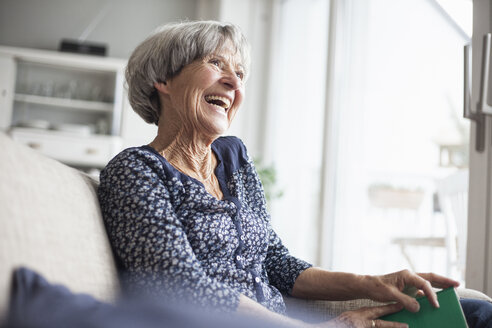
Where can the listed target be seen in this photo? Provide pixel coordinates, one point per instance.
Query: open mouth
(218, 101)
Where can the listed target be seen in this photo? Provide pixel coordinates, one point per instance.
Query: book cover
(448, 315)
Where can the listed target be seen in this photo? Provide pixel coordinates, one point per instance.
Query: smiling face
(205, 96)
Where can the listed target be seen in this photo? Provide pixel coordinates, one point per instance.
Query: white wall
(42, 24)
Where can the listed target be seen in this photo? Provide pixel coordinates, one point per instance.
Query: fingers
(439, 281)
(399, 282)
(379, 311)
(426, 287)
(388, 324)
(375, 312)
(407, 278)
(408, 302)
(425, 282)
(368, 317)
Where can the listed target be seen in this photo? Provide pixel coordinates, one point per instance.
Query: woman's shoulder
(134, 156)
(131, 161)
(231, 149)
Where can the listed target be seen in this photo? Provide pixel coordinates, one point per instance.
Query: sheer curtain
(354, 96)
(295, 119)
(342, 204)
(396, 90)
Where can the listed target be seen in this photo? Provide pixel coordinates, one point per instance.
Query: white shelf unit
(63, 93)
(84, 105)
(91, 151)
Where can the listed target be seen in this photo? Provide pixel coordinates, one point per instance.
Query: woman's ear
(161, 87)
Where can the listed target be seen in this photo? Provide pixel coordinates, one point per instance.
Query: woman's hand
(390, 287)
(365, 318)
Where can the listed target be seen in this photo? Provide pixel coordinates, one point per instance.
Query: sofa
(50, 221)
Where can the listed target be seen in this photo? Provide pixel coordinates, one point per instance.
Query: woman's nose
(231, 80)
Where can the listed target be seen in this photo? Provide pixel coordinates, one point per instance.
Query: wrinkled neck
(187, 150)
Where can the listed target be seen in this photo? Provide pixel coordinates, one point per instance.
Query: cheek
(194, 106)
(187, 104)
(194, 96)
(205, 77)
(239, 97)
(196, 90)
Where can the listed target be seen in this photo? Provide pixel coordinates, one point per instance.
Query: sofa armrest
(317, 311)
(472, 293)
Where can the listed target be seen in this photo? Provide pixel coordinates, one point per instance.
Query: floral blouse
(171, 235)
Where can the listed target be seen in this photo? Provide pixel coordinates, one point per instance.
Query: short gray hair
(171, 47)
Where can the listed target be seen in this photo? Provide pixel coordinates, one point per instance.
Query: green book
(448, 315)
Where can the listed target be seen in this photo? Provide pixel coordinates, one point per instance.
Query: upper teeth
(226, 103)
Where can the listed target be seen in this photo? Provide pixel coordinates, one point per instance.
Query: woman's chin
(216, 124)
(216, 129)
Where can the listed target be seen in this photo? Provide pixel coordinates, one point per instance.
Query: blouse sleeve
(282, 268)
(148, 237)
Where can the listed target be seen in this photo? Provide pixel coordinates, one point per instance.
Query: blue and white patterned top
(170, 234)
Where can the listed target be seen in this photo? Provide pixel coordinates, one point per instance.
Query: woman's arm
(316, 283)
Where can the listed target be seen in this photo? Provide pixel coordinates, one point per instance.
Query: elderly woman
(186, 213)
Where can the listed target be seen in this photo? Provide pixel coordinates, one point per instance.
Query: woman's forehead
(229, 52)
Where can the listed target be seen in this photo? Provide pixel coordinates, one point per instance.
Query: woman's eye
(215, 62)
(240, 75)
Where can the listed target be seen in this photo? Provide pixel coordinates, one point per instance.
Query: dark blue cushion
(35, 302)
(478, 313)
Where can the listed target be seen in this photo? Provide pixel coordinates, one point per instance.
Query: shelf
(72, 149)
(60, 59)
(35, 83)
(95, 106)
(46, 133)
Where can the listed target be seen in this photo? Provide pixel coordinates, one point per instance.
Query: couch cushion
(50, 221)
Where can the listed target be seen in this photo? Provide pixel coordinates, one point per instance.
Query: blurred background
(353, 113)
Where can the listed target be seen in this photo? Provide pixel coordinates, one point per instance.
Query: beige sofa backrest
(50, 221)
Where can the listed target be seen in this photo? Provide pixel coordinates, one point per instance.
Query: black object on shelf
(83, 47)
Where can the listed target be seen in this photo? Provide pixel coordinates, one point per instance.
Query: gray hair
(171, 47)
